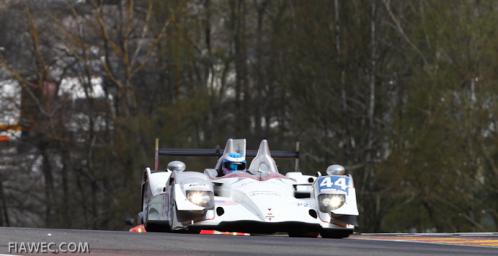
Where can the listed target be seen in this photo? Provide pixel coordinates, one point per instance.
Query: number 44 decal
(333, 182)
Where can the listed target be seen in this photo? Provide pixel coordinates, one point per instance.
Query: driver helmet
(233, 162)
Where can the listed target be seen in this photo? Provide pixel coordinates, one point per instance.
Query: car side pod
(138, 229)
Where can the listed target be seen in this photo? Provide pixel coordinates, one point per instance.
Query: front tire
(337, 234)
(307, 234)
(157, 226)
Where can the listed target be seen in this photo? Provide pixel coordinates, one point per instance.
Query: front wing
(233, 217)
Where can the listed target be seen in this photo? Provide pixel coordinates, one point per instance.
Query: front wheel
(306, 234)
(157, 226)
(336, 233)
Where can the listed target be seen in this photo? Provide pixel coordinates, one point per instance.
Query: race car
(259, 200)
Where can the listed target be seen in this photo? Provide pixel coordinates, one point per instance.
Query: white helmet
(336, 169)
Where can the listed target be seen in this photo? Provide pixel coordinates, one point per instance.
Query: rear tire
(337, 234)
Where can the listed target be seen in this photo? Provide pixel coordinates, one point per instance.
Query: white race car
(259, 200)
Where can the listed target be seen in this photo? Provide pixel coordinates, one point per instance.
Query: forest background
(403, 93)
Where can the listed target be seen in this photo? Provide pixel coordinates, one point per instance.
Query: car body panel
(259, 200)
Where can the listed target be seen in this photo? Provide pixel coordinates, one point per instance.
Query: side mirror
(176, 166)
(336, 169)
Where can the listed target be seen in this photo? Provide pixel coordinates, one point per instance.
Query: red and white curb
(138, 229)
(466, 240)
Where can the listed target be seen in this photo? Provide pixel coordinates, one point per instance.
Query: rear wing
(218, 152)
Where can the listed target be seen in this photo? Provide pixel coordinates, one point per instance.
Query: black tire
(152, 226)
(307, 234)
(185, 231)
(337, 234)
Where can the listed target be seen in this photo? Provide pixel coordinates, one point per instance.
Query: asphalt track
(125, 243)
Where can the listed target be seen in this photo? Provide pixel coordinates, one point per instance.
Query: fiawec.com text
(48, 247)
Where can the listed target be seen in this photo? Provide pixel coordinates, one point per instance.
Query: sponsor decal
(305, 204)
(269, 215)
(196, 186)
(263, 193)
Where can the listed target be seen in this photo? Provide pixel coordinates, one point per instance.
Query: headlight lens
(330, 202)
(201, 198)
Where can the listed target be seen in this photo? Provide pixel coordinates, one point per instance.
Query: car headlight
(201, 198)
(330, 202)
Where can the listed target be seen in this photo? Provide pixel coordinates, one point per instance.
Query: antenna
(156, 155)
(296, 161)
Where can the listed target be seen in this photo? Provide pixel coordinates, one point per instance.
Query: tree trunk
(4, 218)
(375, 225)
(342, 80)
(49, 186)
(66, 213)
(238, 10)
(259, 87)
